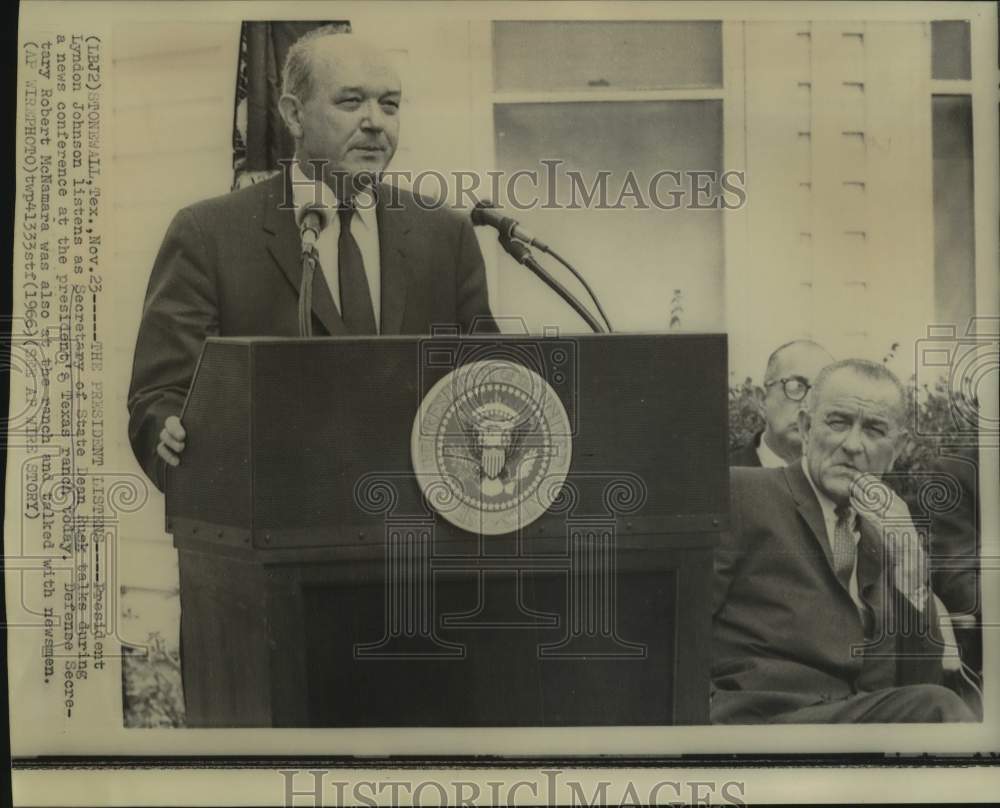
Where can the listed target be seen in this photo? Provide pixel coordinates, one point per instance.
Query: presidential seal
(491, 446)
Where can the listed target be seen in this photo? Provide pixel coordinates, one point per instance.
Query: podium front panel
(375, 610)
(527, 672)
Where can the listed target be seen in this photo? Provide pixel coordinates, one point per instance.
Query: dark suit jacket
(231, 266)
(786, 633)
(955, 535)
(747, 455)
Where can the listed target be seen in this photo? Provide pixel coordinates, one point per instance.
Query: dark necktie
(869, 572)
(355, 297)
(844, 549)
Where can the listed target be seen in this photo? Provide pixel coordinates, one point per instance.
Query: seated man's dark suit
(789, 643)
(231, 266)
(955, 536)
(954, 540)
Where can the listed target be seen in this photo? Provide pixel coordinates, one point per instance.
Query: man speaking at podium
(233, 265)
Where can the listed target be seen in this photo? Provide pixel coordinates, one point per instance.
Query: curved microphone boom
(512, 236)
(522, 254)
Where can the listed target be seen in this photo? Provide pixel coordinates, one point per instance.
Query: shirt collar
(827, 505)
(305, 192)
(768, 458)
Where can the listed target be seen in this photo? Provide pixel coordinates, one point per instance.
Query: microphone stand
(521, 253)
(305, 297)
(583, 282)
(309, 230)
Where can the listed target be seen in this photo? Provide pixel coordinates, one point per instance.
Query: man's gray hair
(297, 73)
(863, 367)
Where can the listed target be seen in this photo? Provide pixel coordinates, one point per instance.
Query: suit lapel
(394, 252)
(809, 509)
(285, 247)
(869, 561)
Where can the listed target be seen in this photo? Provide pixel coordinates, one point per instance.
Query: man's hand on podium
(171, 440)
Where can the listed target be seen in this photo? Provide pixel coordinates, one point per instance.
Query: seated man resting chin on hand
(822, 606)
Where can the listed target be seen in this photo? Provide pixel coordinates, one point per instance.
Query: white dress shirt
(917, 597)
(829, 507)
(364, 228)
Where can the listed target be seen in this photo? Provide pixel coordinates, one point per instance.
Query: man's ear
(759, 400)
(805, 424)
(291, 113)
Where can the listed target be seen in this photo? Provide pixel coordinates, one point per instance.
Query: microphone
(486, 213)
(517, 250)
(313, 221)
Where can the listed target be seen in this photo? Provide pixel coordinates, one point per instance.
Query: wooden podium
(319, 587)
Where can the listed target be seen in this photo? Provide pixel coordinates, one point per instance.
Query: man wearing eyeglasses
(791, 369)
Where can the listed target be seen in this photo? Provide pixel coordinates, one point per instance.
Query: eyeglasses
(794, 388)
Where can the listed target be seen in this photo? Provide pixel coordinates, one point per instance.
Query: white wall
(838, 240)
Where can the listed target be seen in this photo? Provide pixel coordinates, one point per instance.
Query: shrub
(151, 685)
(745, 419)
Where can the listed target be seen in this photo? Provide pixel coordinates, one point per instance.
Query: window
(617, 103)
(951, 116)
(954, 236)
(626, 55)
(950, 50)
